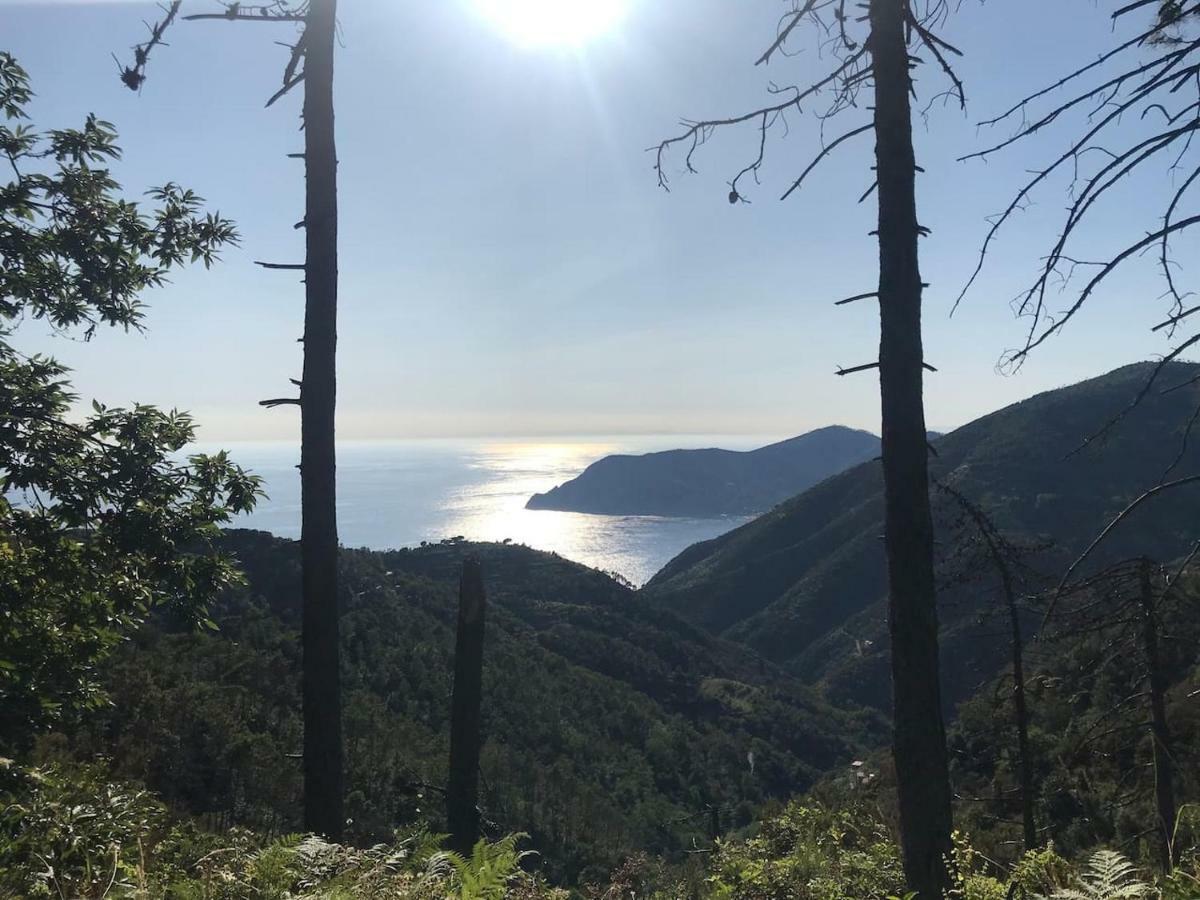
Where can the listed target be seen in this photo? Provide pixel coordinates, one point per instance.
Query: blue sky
(509, 266)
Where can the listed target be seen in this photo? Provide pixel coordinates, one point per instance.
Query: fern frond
(441, 865)
(1109, 876)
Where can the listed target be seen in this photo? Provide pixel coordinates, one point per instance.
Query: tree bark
(1164, 773)
(919, 737)
(323, 791)
(462, 794)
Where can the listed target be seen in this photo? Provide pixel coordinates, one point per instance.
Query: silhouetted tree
(1164, 768)
(1129, 110)
(1009, 563)
(310, 64)
(1126, 601)
(1149, 78)
(875, 50)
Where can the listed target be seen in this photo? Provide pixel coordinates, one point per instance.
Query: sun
(550, 23)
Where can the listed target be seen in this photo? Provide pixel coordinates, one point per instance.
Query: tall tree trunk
(919, 737)
(462, 794)
(1164, 772)
(323, 792)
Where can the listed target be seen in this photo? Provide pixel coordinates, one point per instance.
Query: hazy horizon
(509, 265)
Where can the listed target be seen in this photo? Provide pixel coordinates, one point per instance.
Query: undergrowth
(69, 833)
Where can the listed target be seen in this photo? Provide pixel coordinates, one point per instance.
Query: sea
(400, 493)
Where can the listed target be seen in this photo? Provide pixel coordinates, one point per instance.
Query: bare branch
(1120, 517)
(1137, 41)
(698, 132)
(290, 266)
(283, 91)
(244, 17)
(856, 297)
(853, 369)
(936, 45)
(785, 32)
(1105, 271)
(133, 77)
(825, 151)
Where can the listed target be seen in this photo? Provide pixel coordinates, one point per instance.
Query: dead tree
(1120, 607)
(1125, 599)
(879, 50)
(1164, 769)
(1134, 109)
(1007, 561)
(462, 793)
(1148, 621)
(310, 64)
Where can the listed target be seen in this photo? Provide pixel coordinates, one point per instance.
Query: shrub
(810, 852)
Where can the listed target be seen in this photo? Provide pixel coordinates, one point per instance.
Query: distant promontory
(710, 482)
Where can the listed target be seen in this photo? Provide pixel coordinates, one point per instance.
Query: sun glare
(547, 23)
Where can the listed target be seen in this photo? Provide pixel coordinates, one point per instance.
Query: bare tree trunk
(1164, 773)
(462, 794)
(919, 737)
(1000, 552)
(323, 793)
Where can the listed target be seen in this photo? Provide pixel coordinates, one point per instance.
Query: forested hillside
(1091, 747)
(940, 667)
(805, 584)
(608, 724)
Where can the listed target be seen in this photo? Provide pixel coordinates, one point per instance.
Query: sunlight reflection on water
(397, 494)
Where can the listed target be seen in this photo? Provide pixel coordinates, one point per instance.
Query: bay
(395, 494)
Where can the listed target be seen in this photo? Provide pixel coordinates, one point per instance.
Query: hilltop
(805, 584)
(710, 482)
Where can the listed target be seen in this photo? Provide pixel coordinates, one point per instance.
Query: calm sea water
(397, 494)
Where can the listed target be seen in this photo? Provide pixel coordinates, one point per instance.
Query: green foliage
(608, 725)
(99, 520)
(1040, 870)
(810, 852)
(1091, 747)
(69, 833)
(969, 877)
(1108, 876)
(1182, 884)
(486, 874)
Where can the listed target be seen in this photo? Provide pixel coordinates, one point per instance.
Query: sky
(509, 265)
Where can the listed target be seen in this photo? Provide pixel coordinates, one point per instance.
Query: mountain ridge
(805, 584)
(709, 482)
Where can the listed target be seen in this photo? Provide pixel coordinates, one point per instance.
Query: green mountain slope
(710, 482)
(610, 725)
(805, 583)
(1091, 744)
